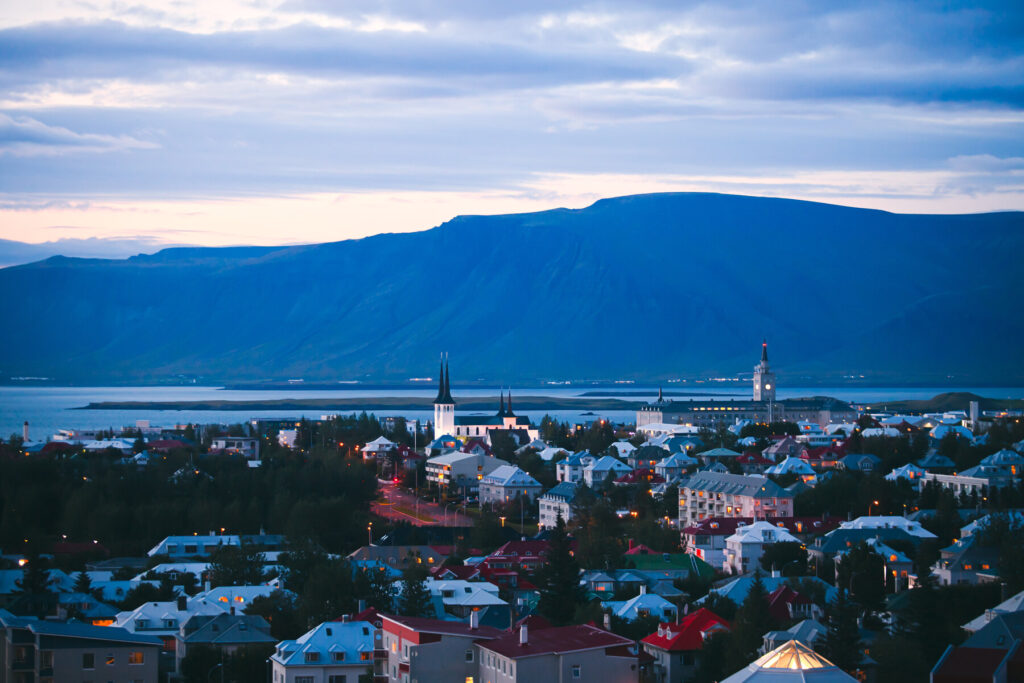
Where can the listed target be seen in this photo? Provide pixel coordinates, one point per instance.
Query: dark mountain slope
(645, 286)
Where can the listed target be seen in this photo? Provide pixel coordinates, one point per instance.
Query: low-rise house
(786, 604)
(716, 494)
(419, 649)
(965, 561)
(973, 481)
(567, 653)
(35, 650)
(719, 455)
(507, 482)
(642, 606)
(752, 462)
(807, 632)
(888, 522)
(737, 589)
(551, 454)
(743, 549)
(706, 539)
(554, 503)
(995, 652)
(246, 446)
(399, 556)
(677, 647)
(623, 448)
(909, 472)
(859, 462)
(602, 469)
(227, 633)
(1009, 461)
(571, 468)
(934, 462)
(646, 456)
(794, 466)
(674, 466)
(786, 447)
(333, 652)
(456, 599)
(378, 448)
(163, 619)
(179, 547)
(898, 566)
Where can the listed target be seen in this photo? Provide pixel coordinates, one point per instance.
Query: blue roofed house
(333, 652)
(859, 462)
(556, 502)
(642, 606)
(674, 466)
(570, 469)
(602, 469)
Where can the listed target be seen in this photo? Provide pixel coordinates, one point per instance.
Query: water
(49, 409)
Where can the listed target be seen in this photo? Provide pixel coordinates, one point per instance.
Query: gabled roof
(227, 629)
(559, 640)
(441, 627)
(737, 484)
(352, 638)
(689, 633)
(109, 634)
(510, 475)
(719, 453)
(565, 491)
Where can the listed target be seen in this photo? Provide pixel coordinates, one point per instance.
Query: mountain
(645, 287)
(13, 253)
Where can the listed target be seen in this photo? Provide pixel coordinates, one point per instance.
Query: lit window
(136, 657)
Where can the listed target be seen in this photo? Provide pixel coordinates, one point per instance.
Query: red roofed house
(823, 458)
(566, 653)
(975, 665)
(753, 462)
(676, 648)
(706, 538)
(785, 605)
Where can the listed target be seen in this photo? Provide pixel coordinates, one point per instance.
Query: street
(395, 504)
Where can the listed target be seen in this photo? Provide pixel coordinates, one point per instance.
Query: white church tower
(764, 378)
(444, 405)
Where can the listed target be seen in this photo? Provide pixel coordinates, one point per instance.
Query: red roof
(534, 622)
(71, 548)
(369, 614)
(969, 665)
(780, 599)
(56, 447)
(457, 628)
(640, 549)
(754, 458)
(824, 453)
(456, 571)
(555, 640)
(688, 634)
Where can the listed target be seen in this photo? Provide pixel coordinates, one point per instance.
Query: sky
(286, 121)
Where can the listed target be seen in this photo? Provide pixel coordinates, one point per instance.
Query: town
(708, 540)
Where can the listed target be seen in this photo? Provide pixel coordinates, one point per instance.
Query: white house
(505, 483)
(642, 606)
(674, 465)
(377, 448)
(910, 472)
(246, 446)
(603, 468)
(333, 652)
(554, 503)
(286, 437)
(177, 547)
(571, 469)
(889, 522)
(792, 465)
(464, 470)
(743, 550)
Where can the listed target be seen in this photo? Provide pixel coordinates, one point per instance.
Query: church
(446, 422)
(762, 407)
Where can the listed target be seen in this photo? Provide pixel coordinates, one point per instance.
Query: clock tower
(764, 378)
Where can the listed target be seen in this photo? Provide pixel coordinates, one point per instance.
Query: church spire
(440, 383)
(447, 384)
(501, 408)
(509, 413)
(661, 396)
(764, 351)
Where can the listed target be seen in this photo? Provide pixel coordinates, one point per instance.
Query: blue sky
(306, 120)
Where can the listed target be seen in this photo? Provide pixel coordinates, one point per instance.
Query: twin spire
(444, 391)
(502, 410)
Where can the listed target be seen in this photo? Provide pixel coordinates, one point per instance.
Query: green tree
(281, 610)
(236, 566)
(34, 596)
(788, 558)
(328, 594)
(83, 584)
(559, 578)
(861, 571)
(841, 644)
(415, 598)
(752, 621)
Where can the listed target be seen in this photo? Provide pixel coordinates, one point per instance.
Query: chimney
(24, 431)
(607, 621)
(232, 610)
(523, 636)
(206, 586)
(362, 605)
(775, 573)
(182, 603)
(474, 620)
(643, 589)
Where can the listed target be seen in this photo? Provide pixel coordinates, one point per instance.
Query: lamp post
(447, 505)
(369, 533)
(874, 503)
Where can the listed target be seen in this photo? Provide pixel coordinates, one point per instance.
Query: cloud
(24, 136)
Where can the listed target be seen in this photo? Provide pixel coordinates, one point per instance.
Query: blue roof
(566, 490)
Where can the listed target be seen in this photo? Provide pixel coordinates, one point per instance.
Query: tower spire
(509, 412)
(440, 383)
(501, 406)
(447, 383)
(764, 351)
(661, 396)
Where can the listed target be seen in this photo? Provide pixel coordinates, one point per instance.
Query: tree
(281, 610)
(559, 578)
(83, 584)
(33, 588)
(328, 593)
(861, 571)
(752, 621)
(788, 558)
(841, 644)
(415, 598)
(379, 591)
(236, 566)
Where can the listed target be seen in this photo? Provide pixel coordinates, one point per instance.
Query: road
(396, 504)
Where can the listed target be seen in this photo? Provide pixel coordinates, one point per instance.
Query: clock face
(767, 386)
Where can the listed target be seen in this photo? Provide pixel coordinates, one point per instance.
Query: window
(110, 660)
(88, 661)
(336, 678)
(136, 657)
(576, 671)
(312, 657)
(469, 655)
(46, 659)
(303, 679)
(339, 656)
(172, 548)
(365, 656)
(191, 549)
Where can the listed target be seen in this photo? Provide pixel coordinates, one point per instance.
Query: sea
(50, 408)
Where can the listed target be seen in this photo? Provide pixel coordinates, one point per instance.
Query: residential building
(163, 620)
(965, 561)
(795, 466)
(567, 653)
(571, 468)
(602, 469)
(909, 472)
(423, 650)
(505, 483)
(555, 503)
(859, 462)
(179, 547)
(53, 652)
(743, 550)
(399, 556)
(246, 446)
(888, 522)
(677, 647)
(462, 470)
(715, 494)
(228, 632)
(378, 448)
(807, 632)
(674, 466)
(333, 652)
(706, 539)
(1010, 606)
(642, 606)
(456, 599)
(995, 652)
(737, 589)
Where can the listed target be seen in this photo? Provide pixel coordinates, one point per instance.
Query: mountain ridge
(638, 287)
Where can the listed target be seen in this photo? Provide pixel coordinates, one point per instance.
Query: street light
(369, 533)
(502, 520)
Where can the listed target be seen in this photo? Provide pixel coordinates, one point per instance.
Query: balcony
(23, 665)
